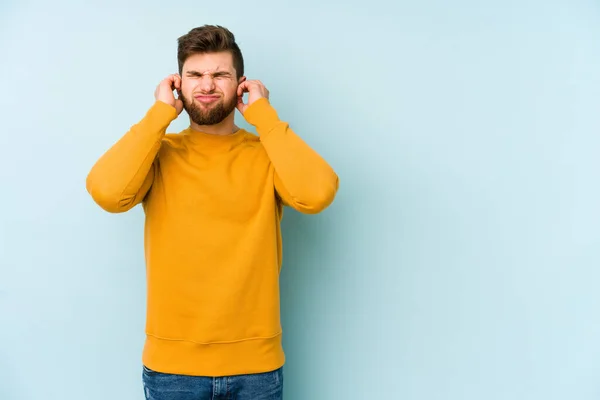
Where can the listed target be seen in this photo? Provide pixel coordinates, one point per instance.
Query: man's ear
(242, 79)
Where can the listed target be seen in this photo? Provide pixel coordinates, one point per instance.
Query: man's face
(209, 87)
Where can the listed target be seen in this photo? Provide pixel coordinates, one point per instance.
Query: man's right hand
(164, 91)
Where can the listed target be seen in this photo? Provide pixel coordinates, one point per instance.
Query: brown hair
(209, 39)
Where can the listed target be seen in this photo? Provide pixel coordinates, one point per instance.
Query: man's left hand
(255, 89)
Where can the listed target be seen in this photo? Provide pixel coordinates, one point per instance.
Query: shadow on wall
(314, 253)
(305, 241)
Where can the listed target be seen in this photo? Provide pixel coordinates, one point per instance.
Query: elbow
(318, 200)
(106, 198)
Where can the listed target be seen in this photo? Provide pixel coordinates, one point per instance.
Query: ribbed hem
(215, 359)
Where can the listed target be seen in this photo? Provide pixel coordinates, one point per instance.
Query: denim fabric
(260, 386)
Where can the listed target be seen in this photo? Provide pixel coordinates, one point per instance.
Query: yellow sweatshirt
(213, 206)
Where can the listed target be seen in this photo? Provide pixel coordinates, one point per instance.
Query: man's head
(211, 68)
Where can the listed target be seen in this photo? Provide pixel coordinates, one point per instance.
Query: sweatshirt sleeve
(303, 179)
(123, 175)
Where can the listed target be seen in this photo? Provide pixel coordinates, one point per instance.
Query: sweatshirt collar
(210, 142)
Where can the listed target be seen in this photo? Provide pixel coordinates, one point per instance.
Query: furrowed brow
(193, 73)
(200, 74)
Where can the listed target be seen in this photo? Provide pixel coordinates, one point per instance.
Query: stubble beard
(211, 115)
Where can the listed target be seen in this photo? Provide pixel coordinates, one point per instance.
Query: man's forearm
(120, 178)
(303, 179)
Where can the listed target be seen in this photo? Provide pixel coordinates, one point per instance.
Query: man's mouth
(206, 98)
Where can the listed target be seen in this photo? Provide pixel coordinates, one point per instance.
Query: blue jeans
(261, 386)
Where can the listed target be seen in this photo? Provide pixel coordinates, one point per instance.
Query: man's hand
(255, 89)
(164, 91)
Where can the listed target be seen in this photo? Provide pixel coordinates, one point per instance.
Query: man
(213, 197)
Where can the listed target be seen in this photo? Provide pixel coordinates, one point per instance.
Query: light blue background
(460, 261)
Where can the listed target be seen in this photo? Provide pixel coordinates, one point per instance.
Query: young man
(213, 197)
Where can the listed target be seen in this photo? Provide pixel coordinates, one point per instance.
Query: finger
(242, 88)
(262, 86)
(170, 82)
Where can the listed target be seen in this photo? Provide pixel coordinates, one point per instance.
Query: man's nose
(207, 83)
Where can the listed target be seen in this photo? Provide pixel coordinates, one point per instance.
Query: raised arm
(303, 179)
(123, 175)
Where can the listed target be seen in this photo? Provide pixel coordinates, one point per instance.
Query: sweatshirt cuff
(161, 111)
(262, 115)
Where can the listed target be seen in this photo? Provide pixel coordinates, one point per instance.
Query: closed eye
(196, 74)
(222, 75)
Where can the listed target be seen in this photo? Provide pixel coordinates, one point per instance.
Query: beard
(212, 115)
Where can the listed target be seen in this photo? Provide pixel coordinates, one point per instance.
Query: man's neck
(225, 127)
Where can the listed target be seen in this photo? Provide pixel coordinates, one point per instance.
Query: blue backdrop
(460, 260)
